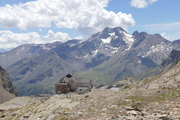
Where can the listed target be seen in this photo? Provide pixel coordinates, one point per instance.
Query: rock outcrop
(5, 95)
(7, 89)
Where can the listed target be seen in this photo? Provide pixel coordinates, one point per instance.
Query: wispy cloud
(164, 35)
(162, 27)
(141, 3)
(170, 31)
(152, 1)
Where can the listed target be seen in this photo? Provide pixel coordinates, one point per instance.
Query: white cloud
(79, 37)
(59, 36)
(9, 39)
(152, 1)
(87, 16)
(40, 30)
(141, 3)
(164, 35)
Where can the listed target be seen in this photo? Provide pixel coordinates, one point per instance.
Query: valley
(105, 57)
(151, 98)
(134, 76)
(89, 60)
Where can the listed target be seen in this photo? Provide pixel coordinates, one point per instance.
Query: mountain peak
(119, 29)
(107, 29)
(143, 33)
(157, 35)
(135, 33)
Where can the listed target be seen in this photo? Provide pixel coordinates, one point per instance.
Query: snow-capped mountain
(105, 56)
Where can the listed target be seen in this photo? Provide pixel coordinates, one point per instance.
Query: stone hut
(74, 83)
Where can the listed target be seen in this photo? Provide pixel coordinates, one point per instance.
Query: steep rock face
(6, 82)
(168, 80)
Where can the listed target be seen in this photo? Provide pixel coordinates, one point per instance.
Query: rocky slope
(5, 95)
(7, 84)
(167, 80)
(152, 98)
(7, 89)
(99, 104)
(167, 64)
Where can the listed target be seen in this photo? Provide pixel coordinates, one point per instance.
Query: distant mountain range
(106, 56)
(3, 50)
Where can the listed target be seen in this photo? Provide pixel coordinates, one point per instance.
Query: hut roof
(74, 77)
(61, 84)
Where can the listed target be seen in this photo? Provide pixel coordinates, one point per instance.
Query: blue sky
(46, 21)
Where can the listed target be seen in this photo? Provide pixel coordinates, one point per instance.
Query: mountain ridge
(102, 56)
(167, 64)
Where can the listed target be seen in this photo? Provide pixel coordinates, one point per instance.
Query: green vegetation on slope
(45, 87)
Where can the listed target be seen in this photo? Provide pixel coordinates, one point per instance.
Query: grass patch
(150, 79)
(91, 110)
(139, 99)
(97, 78)
(174, 75)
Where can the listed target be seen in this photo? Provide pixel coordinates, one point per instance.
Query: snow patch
(114, 88)
(94, 53)
(72, 45)
(81, 41)
(44, 47)
(128, 39)
(157, 48)
(112, 34)
(108, 40)
(115, 51)
(22, 48)
(86, 56)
